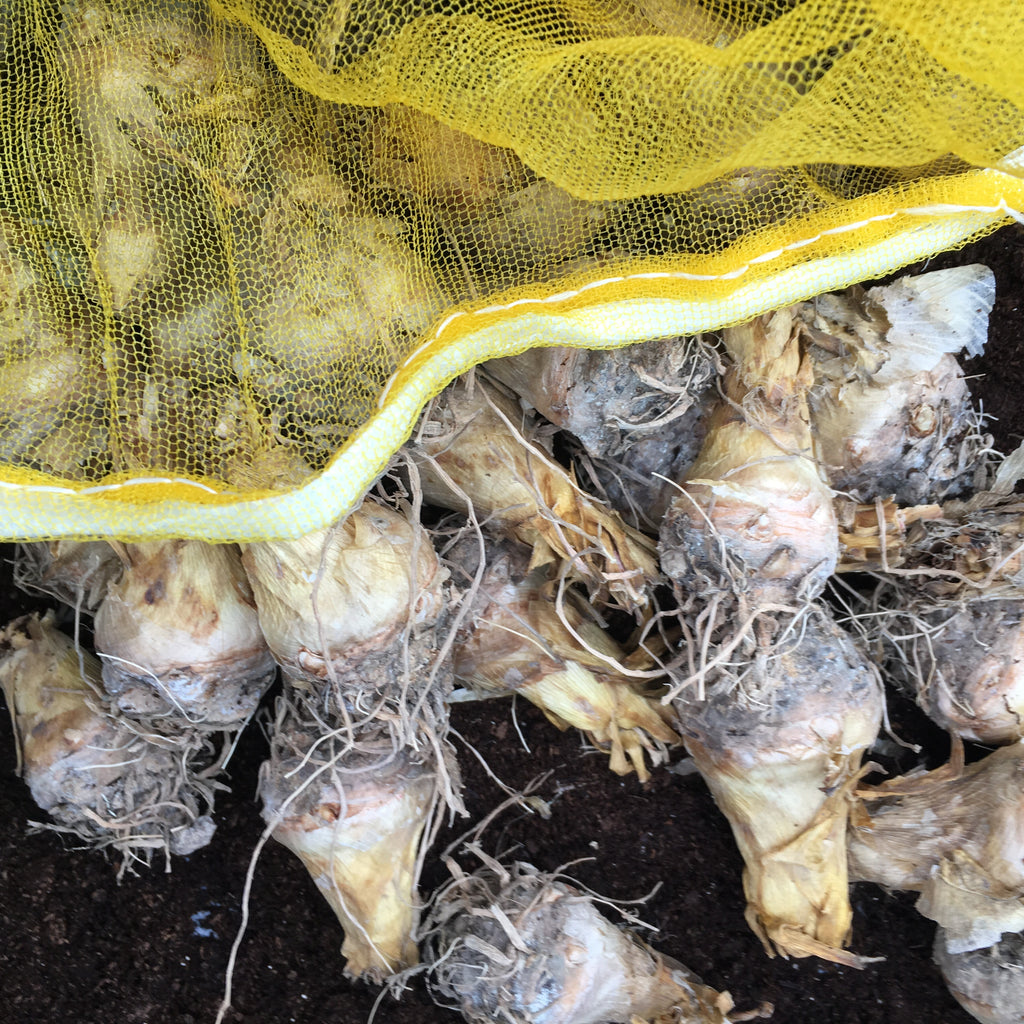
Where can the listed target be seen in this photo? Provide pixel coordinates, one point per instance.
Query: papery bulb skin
(781, 752)
(755, 514)
(87, 766)
(952, 616)
(357, 828)
(988, 983)
(77, 573)
(516, 640)
(954, 835)
(474, 447)
(892, 412)
(972, 670)
(178, 635)
(354, 606)
(520, 946)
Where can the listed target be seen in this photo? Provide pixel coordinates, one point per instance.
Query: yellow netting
(242, 243)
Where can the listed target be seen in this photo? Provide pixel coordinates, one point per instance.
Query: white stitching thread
(681, 275)
(100, 488)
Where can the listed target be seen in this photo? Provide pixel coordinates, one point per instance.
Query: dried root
(473, 449)
(77, 573)
(519, 638)
(873, 537)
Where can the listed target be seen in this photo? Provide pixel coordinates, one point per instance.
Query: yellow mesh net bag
(242, 242)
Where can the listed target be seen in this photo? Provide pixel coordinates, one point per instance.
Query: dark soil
(79, 947)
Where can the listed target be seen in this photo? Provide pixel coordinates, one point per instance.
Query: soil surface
(79, 947)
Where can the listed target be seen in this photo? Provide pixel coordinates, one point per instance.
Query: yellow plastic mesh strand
(241, 244)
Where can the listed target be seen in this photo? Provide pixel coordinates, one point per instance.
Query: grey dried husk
(355, 807)
(892, 411)
(353, 611)
(473, 449)
(781, 749)
(965, 662)
(92, 770)
(515, 945)
(179, 636)
(954, 836)
(515, 639)
(604, 397)
(953, 628)
(988, 983)
(638, 412)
